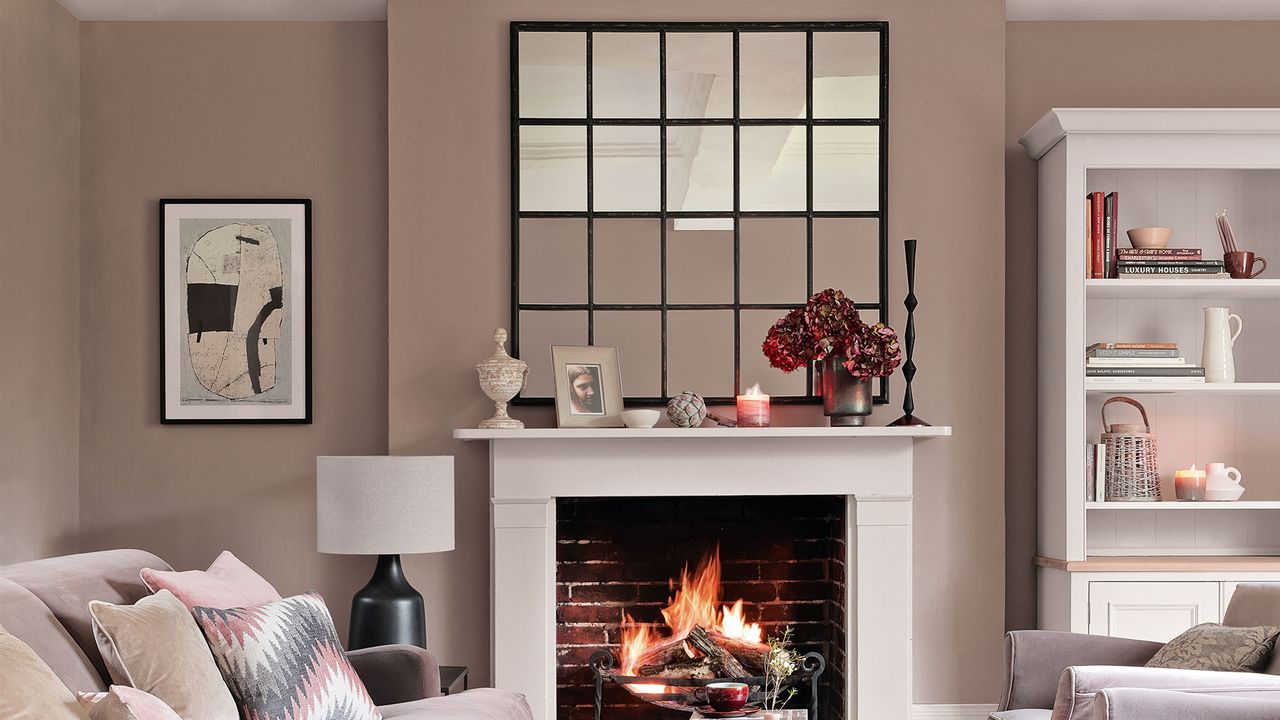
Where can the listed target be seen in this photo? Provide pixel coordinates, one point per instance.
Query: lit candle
(753, 408)
(1189, 484)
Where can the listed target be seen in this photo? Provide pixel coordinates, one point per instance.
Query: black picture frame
(881, 306)
(294, 303)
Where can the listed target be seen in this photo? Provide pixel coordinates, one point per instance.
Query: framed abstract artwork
(235, 311)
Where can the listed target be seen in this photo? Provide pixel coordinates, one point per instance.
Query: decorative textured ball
(687, 410)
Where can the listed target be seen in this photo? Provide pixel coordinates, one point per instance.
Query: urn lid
(500, 360)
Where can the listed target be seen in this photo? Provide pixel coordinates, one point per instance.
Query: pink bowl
(1150, 237)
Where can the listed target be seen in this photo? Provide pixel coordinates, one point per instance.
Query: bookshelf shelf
(1245, 389)
(1137, 506)
(1214, 288)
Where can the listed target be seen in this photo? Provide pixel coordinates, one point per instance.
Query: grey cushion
(1210, 646)
(27, 619)
(478, 704)
(1025, 714)
(1139, 704)
(66, 585)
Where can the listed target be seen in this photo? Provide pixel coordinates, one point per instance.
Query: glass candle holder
(753, 408)
(1188, 485)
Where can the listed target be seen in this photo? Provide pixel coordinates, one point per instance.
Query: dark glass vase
(846, 400)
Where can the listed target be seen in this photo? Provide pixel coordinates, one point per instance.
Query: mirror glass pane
(846, 256)
(553, 260)
(773, 166)
(700, 352)
(846, 167)
(772, 70)
(628, 260)
(700, 168)
(755, 366)
(774, 260)
(539, 330)
(638, 336)
(699, 262)
(699, 75)
(627, 167)
(553, 74)
(553, 168)
(846, 75)
(624, 75)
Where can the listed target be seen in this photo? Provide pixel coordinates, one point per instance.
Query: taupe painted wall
(39, 279)
(1094, 64)
(230, 110)
(449, 287)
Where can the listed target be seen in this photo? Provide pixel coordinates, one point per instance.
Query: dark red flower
(829, 324)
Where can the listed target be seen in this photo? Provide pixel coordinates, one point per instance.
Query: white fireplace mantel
(870, 466)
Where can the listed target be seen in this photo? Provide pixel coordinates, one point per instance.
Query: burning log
(668, 653)
(702, 668)
(754, 655)
(729, 666)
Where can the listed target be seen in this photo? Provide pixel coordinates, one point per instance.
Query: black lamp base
(388, 611)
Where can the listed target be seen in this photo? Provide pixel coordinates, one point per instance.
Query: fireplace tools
(602, 663)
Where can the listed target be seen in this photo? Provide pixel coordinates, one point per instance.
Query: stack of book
(1165, 263)
(1139, 362)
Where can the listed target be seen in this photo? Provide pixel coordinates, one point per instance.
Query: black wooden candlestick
(909, 367)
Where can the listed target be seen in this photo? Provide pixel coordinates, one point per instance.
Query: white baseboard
(951, 712)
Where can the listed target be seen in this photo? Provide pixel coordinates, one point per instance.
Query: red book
(1098, 268)
(1159, 254)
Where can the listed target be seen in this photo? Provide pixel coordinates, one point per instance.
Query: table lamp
(385, 506)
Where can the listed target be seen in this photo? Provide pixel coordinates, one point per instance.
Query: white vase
(1219, 484)
(1216, 357)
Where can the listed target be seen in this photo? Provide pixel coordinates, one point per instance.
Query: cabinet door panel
(1156, 611)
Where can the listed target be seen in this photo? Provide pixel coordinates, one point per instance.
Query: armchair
(1062, 675)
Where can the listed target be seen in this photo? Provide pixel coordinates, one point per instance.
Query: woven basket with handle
(1132, 472)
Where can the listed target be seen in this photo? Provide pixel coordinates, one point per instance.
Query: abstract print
(235, 301)
(283, 661)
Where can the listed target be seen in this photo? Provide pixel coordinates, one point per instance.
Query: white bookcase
(1153, 569)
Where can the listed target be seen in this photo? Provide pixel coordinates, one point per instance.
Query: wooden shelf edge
(1163, 564)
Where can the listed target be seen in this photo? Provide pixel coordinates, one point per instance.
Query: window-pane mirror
(677, 187)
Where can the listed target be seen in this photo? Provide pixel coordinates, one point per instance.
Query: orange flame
(696, 601)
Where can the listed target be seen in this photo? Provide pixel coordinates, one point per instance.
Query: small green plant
(783, 663)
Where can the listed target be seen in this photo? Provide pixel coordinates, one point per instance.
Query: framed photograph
(588, 386)
(235, 311)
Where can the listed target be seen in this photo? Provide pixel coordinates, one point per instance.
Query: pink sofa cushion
(125, 703)
(227, 583)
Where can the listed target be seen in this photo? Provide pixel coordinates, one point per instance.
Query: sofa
(1068, 676)
(44, 603)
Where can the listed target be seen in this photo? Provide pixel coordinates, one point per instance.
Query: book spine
(1100, 472)
(1090, 472)
(1134, 346)
(1171, 270)
(1134, 353)
(1171, 263)
(1160, 253)
(1095, 236)
(1186, 371)
(1088, 236)
(1109, 234)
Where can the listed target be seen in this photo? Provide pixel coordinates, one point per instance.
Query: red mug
(725, 696)
(1240, 264)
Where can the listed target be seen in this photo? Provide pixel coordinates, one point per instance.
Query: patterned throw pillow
(1210, 646)
(283, 661)
(125, 703)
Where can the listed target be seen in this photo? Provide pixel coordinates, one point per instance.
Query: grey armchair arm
(1079, 687)
(1140, 704)
(1035, 659)
(397, 673)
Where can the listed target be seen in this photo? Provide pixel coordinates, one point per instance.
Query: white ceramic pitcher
(1219, 364)
(1220, 486)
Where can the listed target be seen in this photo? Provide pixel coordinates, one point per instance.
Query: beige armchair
(1067, 676)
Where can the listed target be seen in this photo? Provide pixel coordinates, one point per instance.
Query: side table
(453, 679)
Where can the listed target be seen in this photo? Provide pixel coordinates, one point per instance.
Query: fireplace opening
(635, 573)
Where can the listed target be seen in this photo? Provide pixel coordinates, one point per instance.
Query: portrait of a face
(585, 397)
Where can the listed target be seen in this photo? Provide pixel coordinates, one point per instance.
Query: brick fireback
(784, 556)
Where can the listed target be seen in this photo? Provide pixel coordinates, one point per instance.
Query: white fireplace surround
(870, 466)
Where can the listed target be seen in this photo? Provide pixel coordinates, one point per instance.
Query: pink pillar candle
(753, 408)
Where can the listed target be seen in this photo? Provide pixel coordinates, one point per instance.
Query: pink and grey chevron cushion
(283, 661)
(125, 703)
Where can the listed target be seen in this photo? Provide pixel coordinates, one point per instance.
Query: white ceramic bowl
(640, 418)
(1226, 494)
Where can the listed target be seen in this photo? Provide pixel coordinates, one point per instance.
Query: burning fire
(697, 601)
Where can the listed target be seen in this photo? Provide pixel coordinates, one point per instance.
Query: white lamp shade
(384, 505)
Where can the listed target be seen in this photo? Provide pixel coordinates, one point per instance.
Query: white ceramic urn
(501, 377)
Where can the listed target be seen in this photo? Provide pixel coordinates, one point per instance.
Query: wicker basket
(1132, 473)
